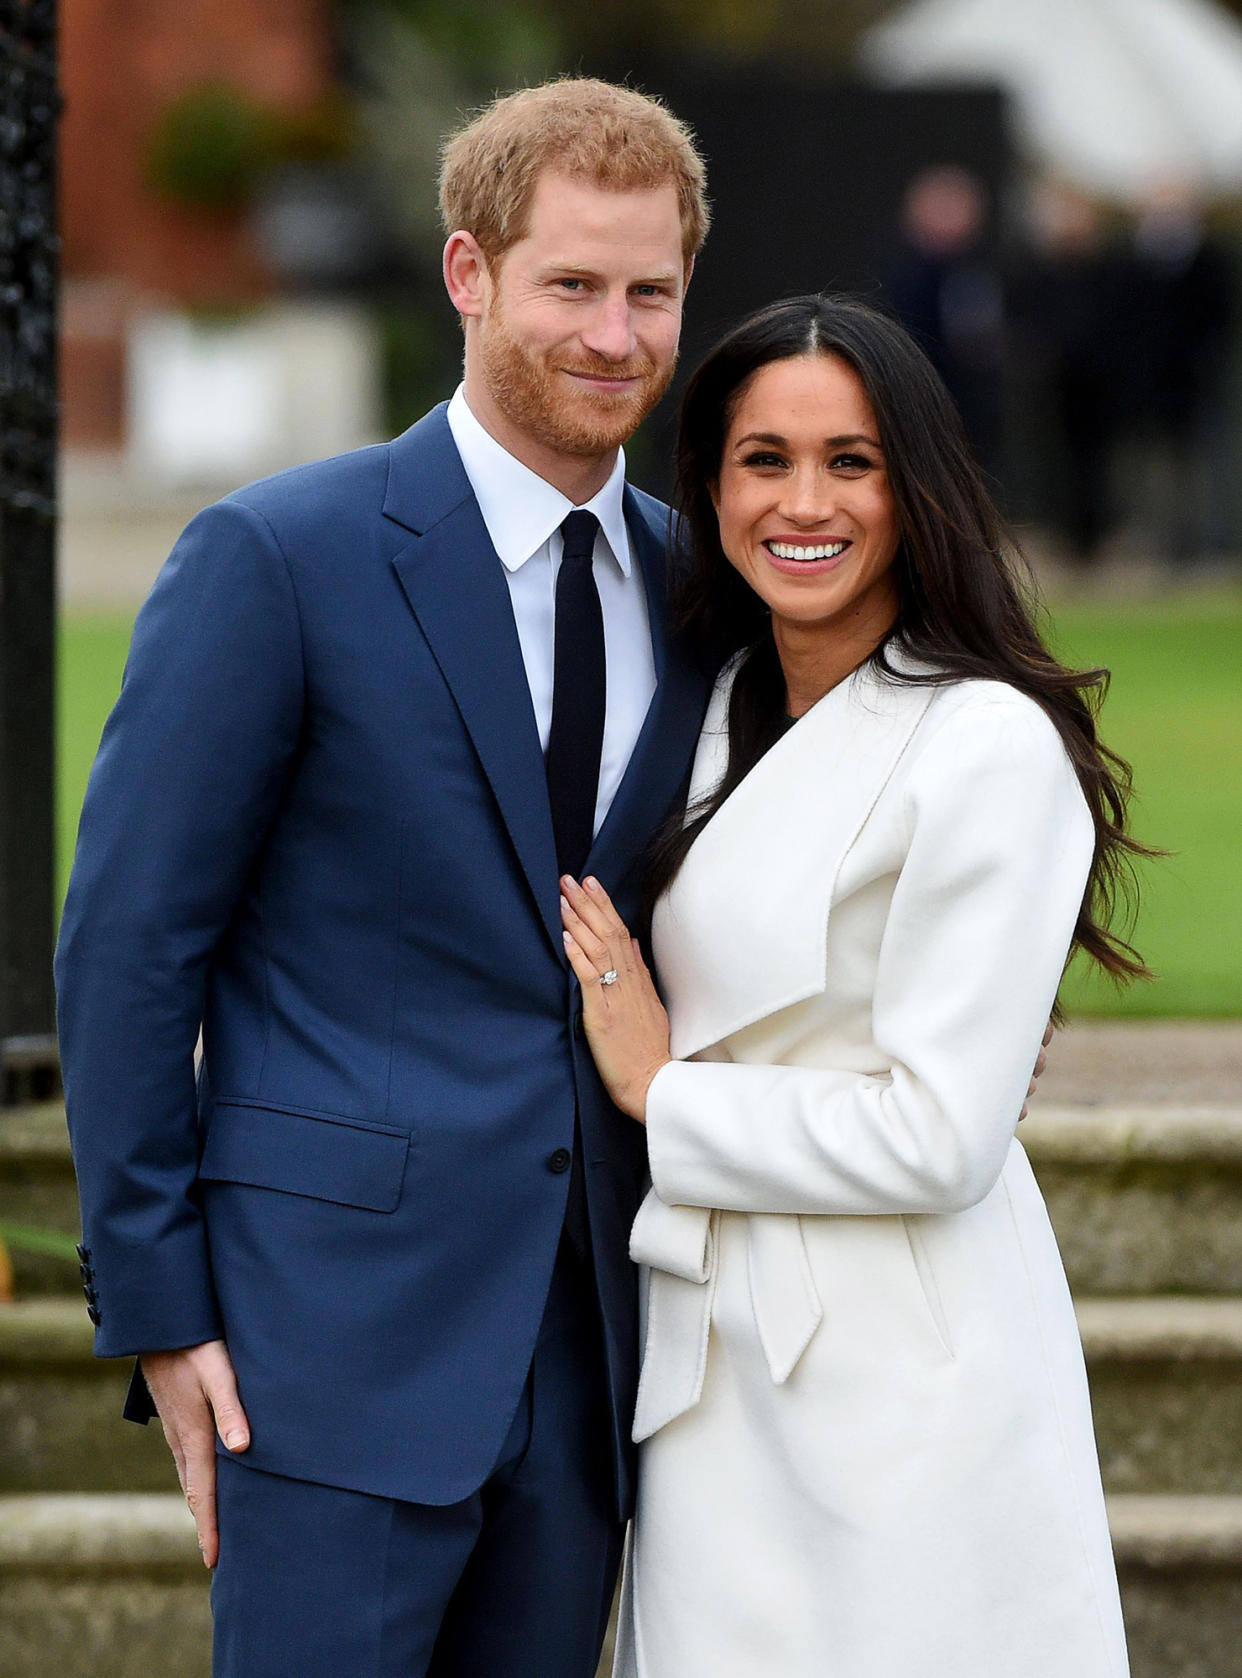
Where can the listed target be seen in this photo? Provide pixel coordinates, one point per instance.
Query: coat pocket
(352, 1162)
(912, 1223)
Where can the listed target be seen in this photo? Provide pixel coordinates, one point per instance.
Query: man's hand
(1041, 1061)
(195, 1393)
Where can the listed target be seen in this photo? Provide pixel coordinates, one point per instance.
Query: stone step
(1166, 1383)
(1179, 1560)
(60, 1409)
(101, 1587)
(37, 1189)
(1144, 1200)
(104, 1587)
(1166, 1392)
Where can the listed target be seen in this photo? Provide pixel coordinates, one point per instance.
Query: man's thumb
(231, 1423)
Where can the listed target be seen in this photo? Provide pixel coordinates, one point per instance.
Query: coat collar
(455, 586)
(742, 931)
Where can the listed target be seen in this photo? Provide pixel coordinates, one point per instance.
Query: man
(374, 708)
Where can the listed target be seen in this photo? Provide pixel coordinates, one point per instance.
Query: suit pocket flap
(325, 1158)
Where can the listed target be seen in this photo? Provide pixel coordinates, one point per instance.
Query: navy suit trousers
(513, 1582)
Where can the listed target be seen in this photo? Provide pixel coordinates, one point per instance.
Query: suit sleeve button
(83, 1253)
(92, 1312)
(559, 1160)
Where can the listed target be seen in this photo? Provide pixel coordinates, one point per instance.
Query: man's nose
(610, 331)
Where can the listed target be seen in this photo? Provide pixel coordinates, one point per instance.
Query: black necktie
(579, 695)
(575, 741)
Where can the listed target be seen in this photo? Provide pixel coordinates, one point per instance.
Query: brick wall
(122, 63)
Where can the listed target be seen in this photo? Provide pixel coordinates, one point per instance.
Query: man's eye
(572, 285)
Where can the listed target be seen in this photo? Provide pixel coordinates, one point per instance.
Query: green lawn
(91, 657)
(1175, 710)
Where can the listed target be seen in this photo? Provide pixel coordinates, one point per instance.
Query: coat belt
(680, 1245)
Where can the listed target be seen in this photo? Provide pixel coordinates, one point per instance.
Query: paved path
(1149, 1062)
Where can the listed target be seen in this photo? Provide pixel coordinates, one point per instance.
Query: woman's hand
(625, 1021)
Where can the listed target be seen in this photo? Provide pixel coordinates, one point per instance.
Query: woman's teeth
(791, 550)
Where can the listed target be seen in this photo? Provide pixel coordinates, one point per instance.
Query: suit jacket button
(92, 1312)
(560, 1160)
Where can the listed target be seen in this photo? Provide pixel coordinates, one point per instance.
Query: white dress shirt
(523, 514)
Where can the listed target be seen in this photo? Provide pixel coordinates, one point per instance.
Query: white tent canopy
(1114, 94)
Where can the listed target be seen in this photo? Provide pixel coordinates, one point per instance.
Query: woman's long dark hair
(961, 608)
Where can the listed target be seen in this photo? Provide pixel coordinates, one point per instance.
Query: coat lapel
(455, 586)
(742, 932)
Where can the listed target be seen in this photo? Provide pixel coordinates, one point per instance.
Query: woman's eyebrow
(832, 442)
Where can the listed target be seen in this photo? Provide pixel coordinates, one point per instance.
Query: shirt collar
(520, 509)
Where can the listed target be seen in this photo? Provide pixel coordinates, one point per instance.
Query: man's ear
(466, 277)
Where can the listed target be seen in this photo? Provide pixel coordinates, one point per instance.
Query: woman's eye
(763, 458)
(852, 462)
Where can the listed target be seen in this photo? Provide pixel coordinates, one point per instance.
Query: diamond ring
(609, 978)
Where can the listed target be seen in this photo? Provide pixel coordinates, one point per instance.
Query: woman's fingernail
(564, 901)
(568, 941)
(591, 883)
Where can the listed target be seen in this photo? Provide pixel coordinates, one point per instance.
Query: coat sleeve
(190, 770)
(1000, 845)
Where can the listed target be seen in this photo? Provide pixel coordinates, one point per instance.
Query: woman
(868, 1447)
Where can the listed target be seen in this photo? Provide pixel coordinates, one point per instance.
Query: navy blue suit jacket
(318, 826)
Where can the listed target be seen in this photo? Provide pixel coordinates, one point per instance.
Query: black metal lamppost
(29, 109)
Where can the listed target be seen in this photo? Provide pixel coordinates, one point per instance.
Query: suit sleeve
(1000, 846)
(192, 765)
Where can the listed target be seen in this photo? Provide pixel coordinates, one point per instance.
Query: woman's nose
(807, 499)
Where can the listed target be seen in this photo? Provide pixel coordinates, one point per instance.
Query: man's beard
(530, 393)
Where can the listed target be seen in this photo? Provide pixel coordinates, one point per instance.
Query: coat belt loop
(783, 1295)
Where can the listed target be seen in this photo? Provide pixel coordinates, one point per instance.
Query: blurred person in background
(1179, 309)
(1073, 338)
(373, 1257)
(944, 284)
(868, 1447)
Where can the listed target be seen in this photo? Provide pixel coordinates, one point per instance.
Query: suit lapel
(456, 589)
(660, 760)
(454, 583)
(742, 932)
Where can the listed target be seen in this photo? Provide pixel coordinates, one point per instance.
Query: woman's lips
(803, 558)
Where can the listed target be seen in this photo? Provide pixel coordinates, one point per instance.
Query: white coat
(868, 1443)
